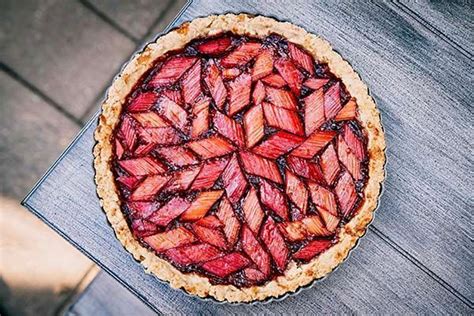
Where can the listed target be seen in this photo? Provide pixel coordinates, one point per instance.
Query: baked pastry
(239, 157)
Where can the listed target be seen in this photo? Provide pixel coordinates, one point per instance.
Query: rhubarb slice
(211, 147)
(231, 73)
(168, 212)
(142, 166)
(227, 216)
(201, 205)
(142, 102)
(239, 93)
(305, 168)
(278, 144)
(296, 191)
(354, 143)
(142, 209)
(175, 96)
(275, 243)
(119, 150)
(323, 198)
(181, 180)
(348, 158)
(172, 70)
(193, 254)
(313, 144)
(161, 136)
(178, 156)
(281, 98)
(241, 55)
(282, 118)
(259, 93)
(128, 132)
(290, 73)
(301, 58)
(209, 173)
(229, 128)
(191, 83)
(259, 166)
(315, 226)
(346, 193)
(215, 84)
(214, 47)
(274, 80)
(314, 83)
(263, 65)
(252, 210)
(226, 265)
(255, 251)
(329, 164)
(332, 101)
(329, 219)
(313, 111)
(173, 112)
(312, 249)
(143, 228)
(254, 125)
(234, 180)
(200, 122)
(144, 149)
(129, 181)
(148, 188)
(150, 119)
(274, 199)
(348, 112)
(170, 239)
(211, 235)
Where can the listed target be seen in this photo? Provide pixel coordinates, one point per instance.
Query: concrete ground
(56, 59)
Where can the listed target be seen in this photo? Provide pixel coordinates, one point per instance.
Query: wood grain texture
(454, 19)
(419, 83)
(105, 297)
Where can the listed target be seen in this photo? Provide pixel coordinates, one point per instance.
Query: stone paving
(56, 59)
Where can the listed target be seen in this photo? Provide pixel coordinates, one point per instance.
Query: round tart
(239, 157)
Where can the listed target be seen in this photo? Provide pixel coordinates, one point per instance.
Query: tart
(239, 157)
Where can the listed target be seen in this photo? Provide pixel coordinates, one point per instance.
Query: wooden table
(417, 255)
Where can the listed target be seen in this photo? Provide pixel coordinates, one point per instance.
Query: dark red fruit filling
(235, 156)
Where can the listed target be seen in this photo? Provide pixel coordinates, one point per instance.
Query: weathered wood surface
(105, 297)
(418, 255)
(453, 21)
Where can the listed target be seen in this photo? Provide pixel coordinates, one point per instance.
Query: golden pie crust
(258, 26)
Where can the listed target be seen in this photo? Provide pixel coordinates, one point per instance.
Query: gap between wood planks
(421, 266)
(139, 43)
(432, 28)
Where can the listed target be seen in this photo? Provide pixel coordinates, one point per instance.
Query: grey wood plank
(421, 85)
(375, 279)
(104, 296)
(62, 48)
(453, 19)
(136, 17)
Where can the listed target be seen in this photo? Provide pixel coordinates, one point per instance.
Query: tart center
(235, 156)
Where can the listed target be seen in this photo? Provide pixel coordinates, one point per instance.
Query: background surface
(415, 56)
